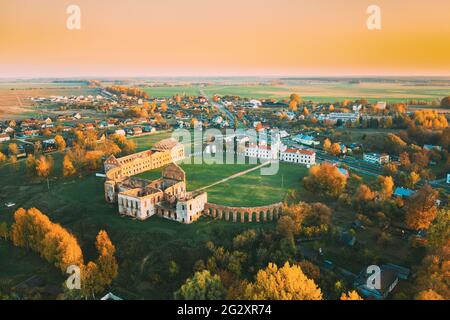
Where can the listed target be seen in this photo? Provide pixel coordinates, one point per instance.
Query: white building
(4, 137)
(336, 116)
(120, 132)
(306, 157)
(376, 158)
(255, 103)
(381, 105)
(262, 152)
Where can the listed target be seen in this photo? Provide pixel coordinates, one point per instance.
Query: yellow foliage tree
(68, 167)
(3, 158)
(335, 149)
(293, 105)
(32, 229)
(421, 208)
(327, 145)
(286, 283)
(429, 295)
(351, 295)
(387, 186)
(106, 262)
(327, 178)
(60, 142)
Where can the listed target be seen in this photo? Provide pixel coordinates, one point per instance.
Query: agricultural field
(315, 90)
(15, 96)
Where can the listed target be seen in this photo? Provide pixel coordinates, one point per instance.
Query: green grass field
(251, 189)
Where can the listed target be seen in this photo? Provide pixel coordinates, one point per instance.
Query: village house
(403, 192)
(388, 281)
(306, 140)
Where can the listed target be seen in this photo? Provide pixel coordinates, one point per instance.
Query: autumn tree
(432, 279)
(335, 149)
(351, 295)
(44, 167)
(326, 178)
(421, 208)
(3, 158)
(13, 149)
(293, 105)
(286, 283)
(390, 169)
(405, 162)
(106, 261)
(60, 142)
(93, 159)
(412, 179)
(68, 167)
(163, 107)
(30, 164)
(387, 186)
(327, 145)
(429, 295)
(295, 97)
(291, 220)
(34, 230)
(202, 286)
(14, 163)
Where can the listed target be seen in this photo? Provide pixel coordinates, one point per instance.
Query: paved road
(221, 107)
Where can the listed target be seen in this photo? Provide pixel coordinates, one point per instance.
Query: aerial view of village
(183, 178)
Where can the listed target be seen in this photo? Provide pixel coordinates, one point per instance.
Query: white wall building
(299, 156)
(376, 158)
(262, 152)
(4, 137)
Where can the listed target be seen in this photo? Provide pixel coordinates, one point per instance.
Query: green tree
(202, 286)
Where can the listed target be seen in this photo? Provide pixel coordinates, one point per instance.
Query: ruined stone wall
(243, 214)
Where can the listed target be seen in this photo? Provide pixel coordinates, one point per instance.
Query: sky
(224, 38)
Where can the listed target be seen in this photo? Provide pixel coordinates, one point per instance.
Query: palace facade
(141, 198)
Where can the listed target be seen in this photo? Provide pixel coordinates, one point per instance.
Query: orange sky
(223, 38)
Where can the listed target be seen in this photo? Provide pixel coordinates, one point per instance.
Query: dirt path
(236, 175)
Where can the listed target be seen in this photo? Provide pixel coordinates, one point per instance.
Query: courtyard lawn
(251, 189)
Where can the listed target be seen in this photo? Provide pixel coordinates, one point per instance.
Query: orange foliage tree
(286, 283)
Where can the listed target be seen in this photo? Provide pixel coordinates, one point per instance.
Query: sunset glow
(223, 38)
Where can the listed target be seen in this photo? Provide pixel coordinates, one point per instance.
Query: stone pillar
(214, 212)
(250, 214)
(220, 214)
(242, 213)
(271, 214)
(264, 216)
(234, 216)
(227, 216)
(257, 216)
